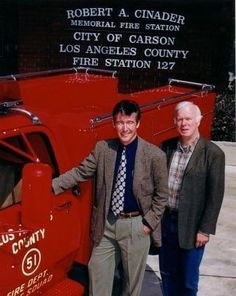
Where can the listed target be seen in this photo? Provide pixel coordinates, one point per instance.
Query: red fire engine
(49, 121)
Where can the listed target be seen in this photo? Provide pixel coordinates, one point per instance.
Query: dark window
(15, 152)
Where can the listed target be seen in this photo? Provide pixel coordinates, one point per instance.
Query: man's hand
(146, 229)
(201, 239)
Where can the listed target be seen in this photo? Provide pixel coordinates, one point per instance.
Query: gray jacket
(202, 190)
(149, 183)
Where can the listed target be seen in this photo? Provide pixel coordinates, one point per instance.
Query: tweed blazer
(202, 190)
(149, 183)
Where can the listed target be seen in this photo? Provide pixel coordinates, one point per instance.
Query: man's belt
(129, 215)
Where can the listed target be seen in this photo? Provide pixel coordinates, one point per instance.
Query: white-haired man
(196, 189)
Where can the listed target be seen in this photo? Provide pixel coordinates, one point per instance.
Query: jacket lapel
(138, 166)
(170, 150)
(110, 159)
(195, 156)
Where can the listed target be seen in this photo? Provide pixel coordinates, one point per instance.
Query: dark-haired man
(130, 197)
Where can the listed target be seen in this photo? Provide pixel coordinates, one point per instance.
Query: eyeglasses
(128, 123)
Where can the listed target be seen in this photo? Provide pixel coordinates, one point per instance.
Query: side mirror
(36, 195)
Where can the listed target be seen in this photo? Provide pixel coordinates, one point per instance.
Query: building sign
(159, 39)
(124, 38)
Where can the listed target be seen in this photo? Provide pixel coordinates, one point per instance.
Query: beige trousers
(125, 240)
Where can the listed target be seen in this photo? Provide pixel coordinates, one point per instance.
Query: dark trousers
(179, 267)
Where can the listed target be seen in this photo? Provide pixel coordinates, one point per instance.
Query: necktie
(118, 195)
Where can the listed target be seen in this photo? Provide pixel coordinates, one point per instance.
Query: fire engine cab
(49, 121)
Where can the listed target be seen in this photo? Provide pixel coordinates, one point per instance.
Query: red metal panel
(66, 287)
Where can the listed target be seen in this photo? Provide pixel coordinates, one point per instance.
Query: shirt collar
(187, 148)
(131, 145)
